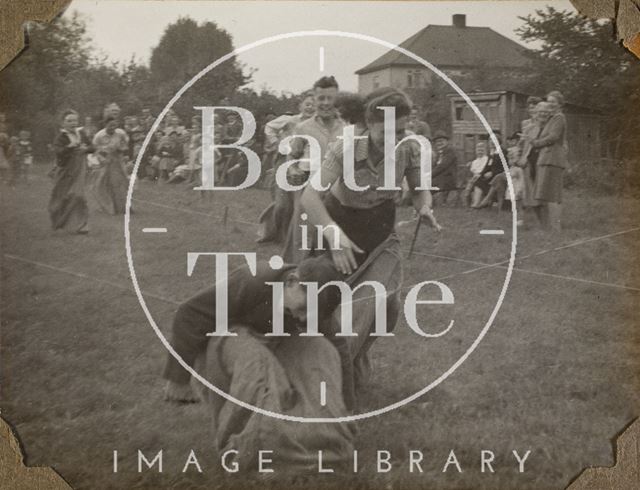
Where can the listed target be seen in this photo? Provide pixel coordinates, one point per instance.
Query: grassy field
(557, 373)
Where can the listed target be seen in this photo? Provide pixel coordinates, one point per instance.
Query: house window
(459, 111)
(376, 82)
(417, 79)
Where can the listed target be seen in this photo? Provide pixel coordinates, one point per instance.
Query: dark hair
(321, 270)
(351, 107)
(558, 96)
(533, 100)
(67, 112)
(306, 94)
(386, 97)
(326, 82)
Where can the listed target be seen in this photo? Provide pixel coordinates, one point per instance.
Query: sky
(125, 28)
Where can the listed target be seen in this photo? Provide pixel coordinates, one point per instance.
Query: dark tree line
(61, 69)
(581, 58)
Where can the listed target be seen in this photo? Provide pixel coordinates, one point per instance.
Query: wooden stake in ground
(415, 236)
(225, 216)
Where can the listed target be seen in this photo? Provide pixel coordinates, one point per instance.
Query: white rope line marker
(481, 265)
(535, 254)
(579, 242)
(85, 276)
(577, 279)
(321, 60)
(492, 232)
(323, 393)
(193, 211)
(154, 230)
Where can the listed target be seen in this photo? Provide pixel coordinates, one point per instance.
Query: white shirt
(478, 165)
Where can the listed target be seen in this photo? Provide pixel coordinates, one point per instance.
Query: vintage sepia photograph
(319, 245)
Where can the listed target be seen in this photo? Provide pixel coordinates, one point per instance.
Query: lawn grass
(557, 373)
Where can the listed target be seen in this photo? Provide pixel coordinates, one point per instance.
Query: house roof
(567, 107)
(451, 46)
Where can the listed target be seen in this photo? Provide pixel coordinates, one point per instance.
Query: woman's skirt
(548, 184)
(168, 163)
(528, 187)
(68, 208)
(483, 183)
(109, 185)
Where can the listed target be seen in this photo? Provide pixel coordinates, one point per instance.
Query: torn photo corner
(331, 245)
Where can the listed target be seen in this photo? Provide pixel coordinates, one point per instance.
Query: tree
(33, 85)
(185, 48)
(581, 58)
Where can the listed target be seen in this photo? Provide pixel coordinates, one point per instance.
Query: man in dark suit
(444, 167)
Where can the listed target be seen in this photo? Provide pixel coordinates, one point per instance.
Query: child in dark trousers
(250, 304)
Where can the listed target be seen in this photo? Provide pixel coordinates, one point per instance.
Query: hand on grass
(344, 256)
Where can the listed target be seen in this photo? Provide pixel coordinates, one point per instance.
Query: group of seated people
(487, 175)
(488, 181)
(174, 151)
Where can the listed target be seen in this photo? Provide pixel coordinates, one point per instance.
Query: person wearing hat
(444, 167)
(279, 374)
(482, 187)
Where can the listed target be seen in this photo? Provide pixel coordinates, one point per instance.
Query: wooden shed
(504, 111)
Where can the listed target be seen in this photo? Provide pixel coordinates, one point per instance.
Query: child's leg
(488, 199)
(554, 214)
(520, 213)
(500, 196)
(466, 193)
(476, 197)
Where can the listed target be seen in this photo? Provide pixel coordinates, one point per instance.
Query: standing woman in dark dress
(68, 205)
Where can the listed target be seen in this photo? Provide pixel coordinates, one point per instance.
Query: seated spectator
(172, 125)
(493, 168)
(190, 170)
(499, 184)
(170, 153)
(445, 167)
(476, 168)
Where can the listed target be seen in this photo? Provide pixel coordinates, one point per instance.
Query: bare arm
(311, 201)
(421, 199)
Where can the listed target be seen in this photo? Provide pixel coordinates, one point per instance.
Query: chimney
(459, 20)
